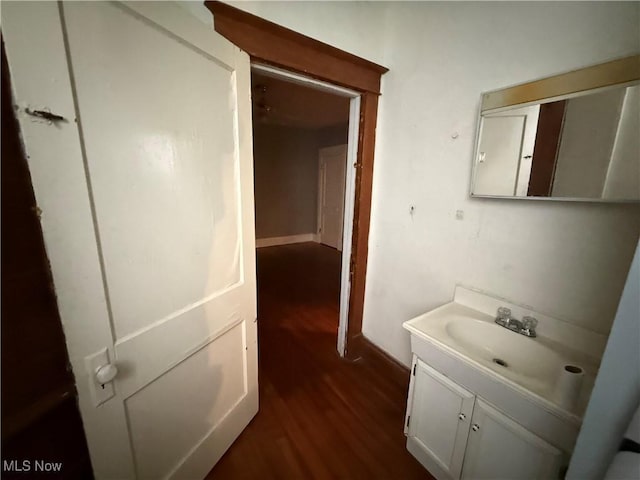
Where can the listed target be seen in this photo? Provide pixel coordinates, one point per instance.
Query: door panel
(168, 343)
(435, 418)
(499, 155)
(190, 407)
(149, 219)
(333, 162)
(159, 180)
(34, 42)
(500, 448)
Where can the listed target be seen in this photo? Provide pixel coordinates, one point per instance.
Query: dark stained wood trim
(278, 46)
(272, 44)
(545, 150)
(362, 213)
(361, 347)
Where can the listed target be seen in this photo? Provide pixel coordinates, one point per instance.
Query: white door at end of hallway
(331, 188)
(147, 198)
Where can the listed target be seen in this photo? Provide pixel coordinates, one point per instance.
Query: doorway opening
(305, 151)
(267, 43)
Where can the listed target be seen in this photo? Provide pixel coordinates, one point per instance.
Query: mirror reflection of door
(505, 152)
(579, 139)
(499, 155)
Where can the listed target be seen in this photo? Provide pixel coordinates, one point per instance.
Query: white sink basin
(530, 364)
(509, 351)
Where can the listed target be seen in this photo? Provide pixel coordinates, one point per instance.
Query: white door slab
(499, 155)
(333, 165)
(146, 194)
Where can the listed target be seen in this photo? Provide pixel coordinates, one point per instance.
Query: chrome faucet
(526, 327)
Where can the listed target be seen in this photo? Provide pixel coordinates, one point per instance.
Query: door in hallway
(331, 195)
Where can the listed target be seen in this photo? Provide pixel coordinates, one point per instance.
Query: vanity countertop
(465, 329)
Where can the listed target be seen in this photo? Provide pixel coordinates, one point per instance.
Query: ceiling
(278, 102)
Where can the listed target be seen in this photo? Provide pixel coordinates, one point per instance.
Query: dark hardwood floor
(320, 416)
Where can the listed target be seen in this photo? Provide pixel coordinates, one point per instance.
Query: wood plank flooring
(320, 416)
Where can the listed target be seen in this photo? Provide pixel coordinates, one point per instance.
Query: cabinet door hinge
(414, 369)
(408, 420)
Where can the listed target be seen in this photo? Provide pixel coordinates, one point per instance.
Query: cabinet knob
(462, 416)
(475, 427)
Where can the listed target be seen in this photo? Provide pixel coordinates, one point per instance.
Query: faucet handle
(529, 323)
(504, 313)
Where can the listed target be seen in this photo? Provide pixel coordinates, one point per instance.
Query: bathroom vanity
(487, 402)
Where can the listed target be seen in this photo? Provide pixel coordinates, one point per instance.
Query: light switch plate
(99, 393)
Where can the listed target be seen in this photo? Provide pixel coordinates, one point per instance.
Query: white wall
(588, 134)
(616, 394)
(568, 260)
(623, 178)
(198, 10)
(286, 180)
(356, 27)
(286, 177)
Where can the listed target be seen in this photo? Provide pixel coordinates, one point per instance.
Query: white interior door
(333, 163)
(146, 193)
(499, 155)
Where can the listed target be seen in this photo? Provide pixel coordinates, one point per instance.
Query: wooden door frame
(546, 149)
(272, 44)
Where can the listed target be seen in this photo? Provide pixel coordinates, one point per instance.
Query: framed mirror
(574, 136)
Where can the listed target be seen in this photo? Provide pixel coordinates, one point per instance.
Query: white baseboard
(273, 241)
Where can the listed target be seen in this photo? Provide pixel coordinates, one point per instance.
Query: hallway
(320, 416)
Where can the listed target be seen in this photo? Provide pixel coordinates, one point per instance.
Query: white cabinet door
(146, 193)
(499, 448)
(438, 422)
